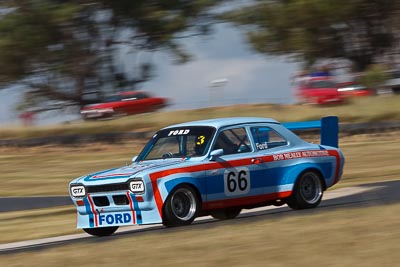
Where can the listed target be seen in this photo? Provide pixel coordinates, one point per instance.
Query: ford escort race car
(212, 167)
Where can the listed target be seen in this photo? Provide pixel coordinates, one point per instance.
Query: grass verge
(46, 171)
(364, 236)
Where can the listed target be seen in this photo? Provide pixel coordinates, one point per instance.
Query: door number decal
(236, 181)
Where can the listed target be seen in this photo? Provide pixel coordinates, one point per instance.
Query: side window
(233, 141)
(265, 137)
(141, 96)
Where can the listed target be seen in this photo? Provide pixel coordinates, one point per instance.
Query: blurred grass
(364, 236)
(370, 158)
(363, 109)
(47, 170)
(37, 223)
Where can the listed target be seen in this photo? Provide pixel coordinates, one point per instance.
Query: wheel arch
(293, 175)
(175, 183)
(166, 218)
(320, 175)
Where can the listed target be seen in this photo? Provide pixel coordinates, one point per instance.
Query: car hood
(136, 169)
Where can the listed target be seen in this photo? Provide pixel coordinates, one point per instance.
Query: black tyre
(225, 214)
(102, 231)
(278, 202)
(181, 207)
(307, 192)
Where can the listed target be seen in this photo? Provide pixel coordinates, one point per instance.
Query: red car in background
(123, 104)
(349, 89)
(319, 90)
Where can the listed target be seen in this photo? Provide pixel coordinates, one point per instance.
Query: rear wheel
(307, 192)
(181, 207)
(225, 214)
(102, 231)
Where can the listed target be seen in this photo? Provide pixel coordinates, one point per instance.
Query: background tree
(375, 76)
(358, 30)
(66, 50)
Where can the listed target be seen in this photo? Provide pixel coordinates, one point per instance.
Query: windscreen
(180, 142)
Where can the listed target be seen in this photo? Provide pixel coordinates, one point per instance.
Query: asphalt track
(28, 203)
(364, 195)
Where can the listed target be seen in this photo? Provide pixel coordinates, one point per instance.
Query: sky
(248, 77)
(225, 55)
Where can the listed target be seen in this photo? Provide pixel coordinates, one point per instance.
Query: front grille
(107, 188)
(101, 201)
(120, 200)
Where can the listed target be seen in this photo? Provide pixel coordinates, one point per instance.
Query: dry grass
(47, 170)
(365, 236)
(37, 223)
(371, 158)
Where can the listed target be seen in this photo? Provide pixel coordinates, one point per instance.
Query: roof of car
(221, 122)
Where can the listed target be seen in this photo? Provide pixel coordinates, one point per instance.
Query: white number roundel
(236, 181)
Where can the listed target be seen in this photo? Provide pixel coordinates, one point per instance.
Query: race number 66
(236, 181)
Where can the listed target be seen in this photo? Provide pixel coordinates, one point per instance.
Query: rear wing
(329, 129)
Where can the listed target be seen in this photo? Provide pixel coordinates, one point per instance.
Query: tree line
(65, 50)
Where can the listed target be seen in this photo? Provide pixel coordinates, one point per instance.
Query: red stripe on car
(131, 206)
(96, 223)
(154, 177)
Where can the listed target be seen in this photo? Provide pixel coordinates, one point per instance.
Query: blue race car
(212, 167)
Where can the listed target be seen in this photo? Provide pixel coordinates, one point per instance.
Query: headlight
(136, 186)
(77, 191)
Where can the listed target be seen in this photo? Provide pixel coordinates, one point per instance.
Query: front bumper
(115, 209)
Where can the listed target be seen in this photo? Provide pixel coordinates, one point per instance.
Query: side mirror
(134, 158)
(215, 154)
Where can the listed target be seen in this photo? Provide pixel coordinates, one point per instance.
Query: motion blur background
(58, 56)
(210, 58)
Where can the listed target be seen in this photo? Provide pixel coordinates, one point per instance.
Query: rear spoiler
(329, 129)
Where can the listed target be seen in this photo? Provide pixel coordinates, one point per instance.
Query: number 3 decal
(236, 181)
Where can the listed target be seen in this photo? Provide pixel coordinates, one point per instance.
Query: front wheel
(102, 231)
(307, 191)
(181, 207)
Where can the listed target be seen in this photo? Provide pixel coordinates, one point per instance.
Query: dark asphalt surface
(28, 203)
(366, 195)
